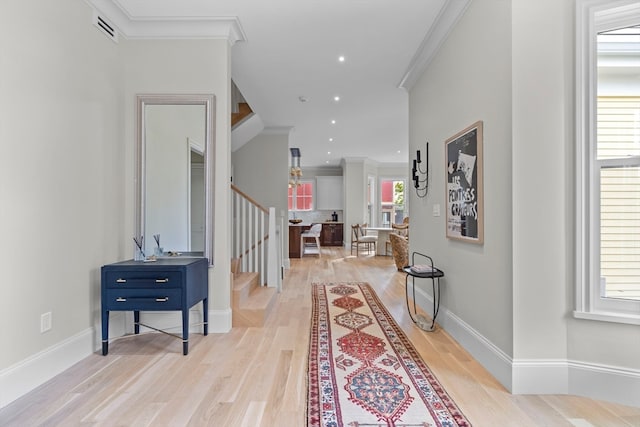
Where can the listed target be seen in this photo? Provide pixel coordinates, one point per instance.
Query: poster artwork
(464, 208)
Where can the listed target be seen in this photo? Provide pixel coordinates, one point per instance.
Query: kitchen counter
(332, 235)
(308, 224)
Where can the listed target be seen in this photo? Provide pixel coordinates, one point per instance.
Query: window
(371, 198)
(301, 196)
(392, 207)
(618, 159)
(608, 167)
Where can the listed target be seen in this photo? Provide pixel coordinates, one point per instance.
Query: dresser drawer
(143, 299)
(143, 279)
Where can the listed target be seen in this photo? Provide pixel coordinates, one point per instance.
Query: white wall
(261, 169)
(510, 301)
(469, 80)
(67, 116)
(199, 67)
(62, 164)
(542, 135)
(603, 359)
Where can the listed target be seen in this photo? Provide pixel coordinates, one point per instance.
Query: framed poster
(463, 152)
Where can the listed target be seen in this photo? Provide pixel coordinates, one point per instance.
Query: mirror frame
(208, 100)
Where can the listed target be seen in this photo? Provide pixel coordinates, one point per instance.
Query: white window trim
(593, 16)
(379, 195)
(313, 196)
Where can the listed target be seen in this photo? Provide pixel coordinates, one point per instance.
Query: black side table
(431, 273)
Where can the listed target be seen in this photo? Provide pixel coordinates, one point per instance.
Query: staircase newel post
(272, 252)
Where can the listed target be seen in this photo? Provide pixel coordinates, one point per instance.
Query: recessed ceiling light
(398, 151)
(336, 98)
(330, 139)
(327, 162)
(333, 122)
(329, 152)
(341, 58)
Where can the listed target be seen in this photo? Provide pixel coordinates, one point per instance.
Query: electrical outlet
(45, 322)
(436, 210)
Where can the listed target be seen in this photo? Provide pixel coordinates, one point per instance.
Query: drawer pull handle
(121, 280)
(162, 280)
(162, 299)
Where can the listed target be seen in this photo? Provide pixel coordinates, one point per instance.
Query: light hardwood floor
(256, 376)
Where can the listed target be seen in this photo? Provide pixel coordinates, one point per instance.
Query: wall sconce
(421, 184)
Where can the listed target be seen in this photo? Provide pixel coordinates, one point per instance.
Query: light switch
(436, 210)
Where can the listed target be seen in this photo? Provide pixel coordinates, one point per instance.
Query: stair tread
(243, 280)
(259, 299)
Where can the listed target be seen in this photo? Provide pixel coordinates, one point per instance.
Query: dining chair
(358, 238)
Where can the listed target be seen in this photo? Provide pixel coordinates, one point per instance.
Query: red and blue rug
(364, 371)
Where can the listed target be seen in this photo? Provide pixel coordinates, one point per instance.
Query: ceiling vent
(105, 27)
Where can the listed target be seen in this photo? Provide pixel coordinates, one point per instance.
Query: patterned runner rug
(364, 371)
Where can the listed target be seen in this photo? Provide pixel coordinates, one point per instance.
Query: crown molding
(179, 27)
(446, 20)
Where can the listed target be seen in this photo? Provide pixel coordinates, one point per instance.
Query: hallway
(257, 376)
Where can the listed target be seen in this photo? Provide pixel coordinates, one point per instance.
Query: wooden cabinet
(332, 234)
(329, 193)
(294, 239)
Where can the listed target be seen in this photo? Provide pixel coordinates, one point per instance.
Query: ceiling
(287, 51)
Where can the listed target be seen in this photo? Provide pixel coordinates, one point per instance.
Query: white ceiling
(288, 49)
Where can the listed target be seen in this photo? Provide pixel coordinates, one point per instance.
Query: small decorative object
(465, 216)
(158, 251)
(295, 221)
(421, 184)
(139, 250)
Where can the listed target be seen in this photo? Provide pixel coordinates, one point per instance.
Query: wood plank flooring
(257, 376)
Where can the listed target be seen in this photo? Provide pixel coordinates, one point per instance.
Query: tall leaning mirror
(174, 174)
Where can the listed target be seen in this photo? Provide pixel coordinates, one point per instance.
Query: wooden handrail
(258, 205)
(254, 246)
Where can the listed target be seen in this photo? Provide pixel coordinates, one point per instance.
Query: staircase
(256, 263)
(251, 303)
(243, 111)
(245, 123)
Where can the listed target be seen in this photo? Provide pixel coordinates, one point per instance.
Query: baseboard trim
(602, 382)
(497, 362)
(26, 375)
(220, 321)
(30, 373)
(540, 376)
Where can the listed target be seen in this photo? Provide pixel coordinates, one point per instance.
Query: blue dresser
(164, 285)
